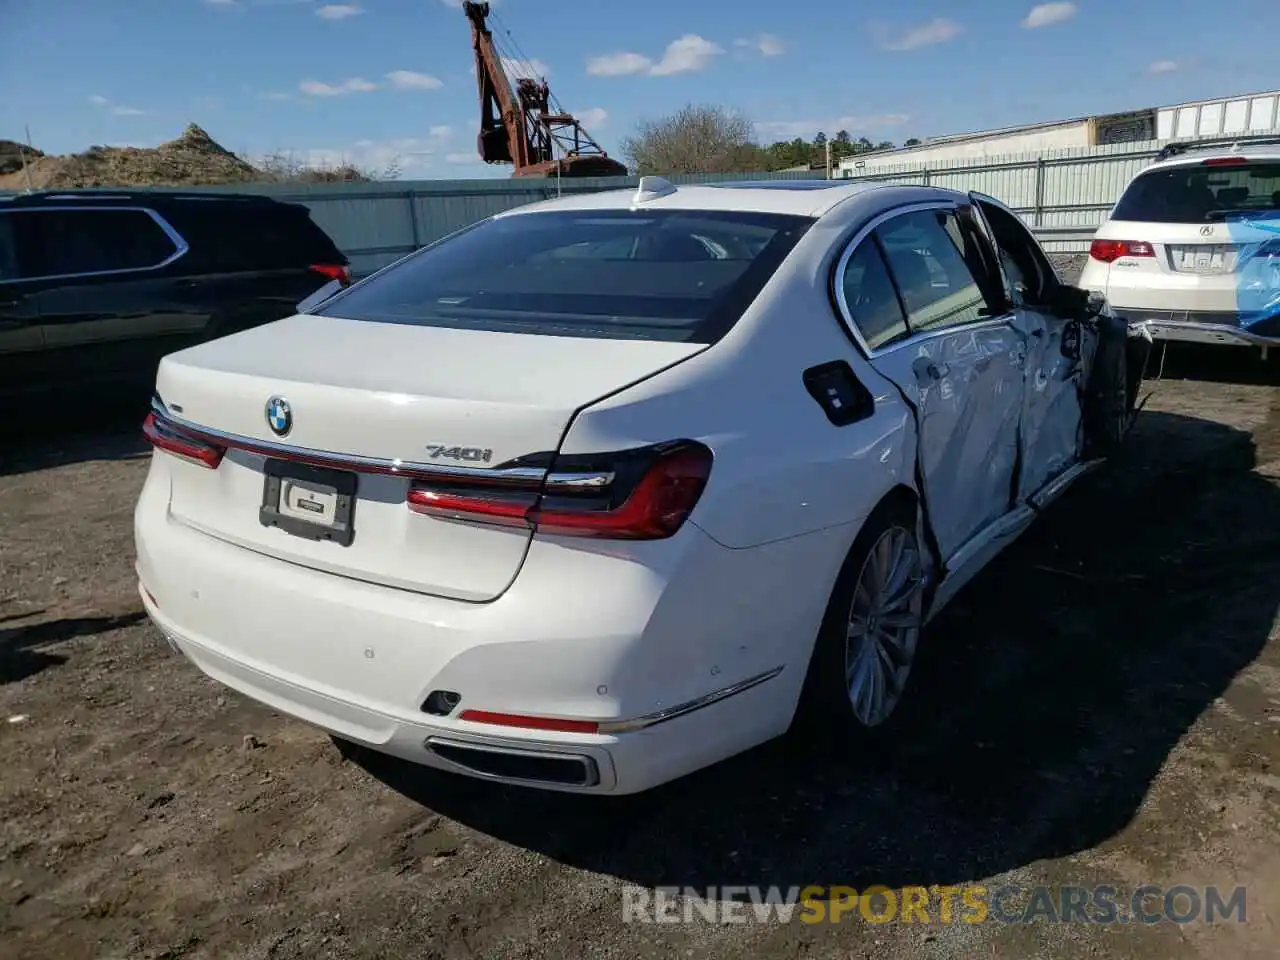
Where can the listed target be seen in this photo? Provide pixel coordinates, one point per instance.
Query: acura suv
(1192, 247)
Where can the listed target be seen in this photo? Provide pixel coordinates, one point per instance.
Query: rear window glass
(657, 275)
(231, 235)
(1202, 194)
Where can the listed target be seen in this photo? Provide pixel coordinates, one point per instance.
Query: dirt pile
(11, 156)
(193, 159)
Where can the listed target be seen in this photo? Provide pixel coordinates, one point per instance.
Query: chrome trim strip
(590, 770)
(395, 467)
(1059, 484)
(180, 245)
(846, 316)
(670, 713)
(360, 464)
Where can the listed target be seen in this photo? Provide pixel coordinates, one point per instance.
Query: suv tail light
(166, 436)
(334, 271)
(642, 494)
(1109, 251)
(1224, 162)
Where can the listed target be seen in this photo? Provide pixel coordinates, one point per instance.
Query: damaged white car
(602, 490)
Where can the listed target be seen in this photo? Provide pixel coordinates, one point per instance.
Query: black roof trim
(136, 197)
(780, 184)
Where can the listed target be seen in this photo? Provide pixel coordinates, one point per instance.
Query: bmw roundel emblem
(279, 416)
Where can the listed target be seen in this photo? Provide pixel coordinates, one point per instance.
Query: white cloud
(1047, 14)
(458, 158)
(593, 118)
(409, 80)
(855, 126)
(1164, 66)
(686, 54)
(767, 45)
(936, 31)
(315, 88)
(116, 109)
(338, 11)
(441, 132)
(618, 64)
(533, 69)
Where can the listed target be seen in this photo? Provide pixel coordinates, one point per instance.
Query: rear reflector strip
(618, 726)
(530, 723)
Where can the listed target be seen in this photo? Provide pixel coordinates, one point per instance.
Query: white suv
(1192, 248)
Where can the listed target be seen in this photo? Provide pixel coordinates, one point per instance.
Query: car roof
(806, 198)
(126, 197)
(1193, 152)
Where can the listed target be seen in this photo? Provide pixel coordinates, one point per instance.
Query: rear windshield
(1201, 194)
(656, 275)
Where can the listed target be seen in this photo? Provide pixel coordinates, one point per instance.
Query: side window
(1021, 256)
(93, 241)
(869, 295)
(937, 287)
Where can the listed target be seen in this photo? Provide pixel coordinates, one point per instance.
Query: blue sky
(373, 80)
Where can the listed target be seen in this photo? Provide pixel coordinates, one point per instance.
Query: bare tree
(695, 139)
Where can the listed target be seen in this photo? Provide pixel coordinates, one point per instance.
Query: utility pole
(26, 174)
(827, 144)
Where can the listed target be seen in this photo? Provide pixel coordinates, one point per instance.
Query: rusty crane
(520, 126)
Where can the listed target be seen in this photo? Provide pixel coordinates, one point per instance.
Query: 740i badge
(439, 451)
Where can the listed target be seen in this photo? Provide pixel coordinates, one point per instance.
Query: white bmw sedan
(602, 490)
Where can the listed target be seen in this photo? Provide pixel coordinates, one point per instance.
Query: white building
(1202, 118)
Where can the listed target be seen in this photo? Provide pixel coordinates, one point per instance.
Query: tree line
(712, 139)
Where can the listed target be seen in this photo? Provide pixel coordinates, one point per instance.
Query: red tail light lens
(333, 271)
(644, 494)
(165, 436)
(1224, 162)
(1109, 251)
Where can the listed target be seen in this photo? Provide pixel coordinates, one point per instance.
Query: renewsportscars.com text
(969, 903)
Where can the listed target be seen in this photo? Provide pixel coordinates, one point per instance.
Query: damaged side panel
(966, 388)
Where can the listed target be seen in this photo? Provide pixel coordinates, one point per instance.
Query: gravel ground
(1101, 706)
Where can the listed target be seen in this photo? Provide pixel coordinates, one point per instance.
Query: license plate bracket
(309, 502)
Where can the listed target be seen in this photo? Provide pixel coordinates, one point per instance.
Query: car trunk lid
(366, 402)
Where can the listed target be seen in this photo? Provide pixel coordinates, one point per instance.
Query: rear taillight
(1109, 251)
(644, 494)
(166, 436)
(1224, 162)
(333, 271)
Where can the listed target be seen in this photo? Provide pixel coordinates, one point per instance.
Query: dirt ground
(1101, 706)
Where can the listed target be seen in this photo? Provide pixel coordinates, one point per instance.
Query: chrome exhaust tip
(514, 765)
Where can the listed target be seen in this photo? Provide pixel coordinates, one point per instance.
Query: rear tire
(867, 644)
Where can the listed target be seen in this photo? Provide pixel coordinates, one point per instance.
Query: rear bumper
(708, 651)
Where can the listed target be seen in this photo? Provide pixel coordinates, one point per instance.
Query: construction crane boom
(519, 126)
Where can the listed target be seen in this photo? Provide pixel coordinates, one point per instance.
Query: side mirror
(319, 297)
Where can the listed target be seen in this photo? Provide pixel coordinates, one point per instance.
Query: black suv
(96, 285)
